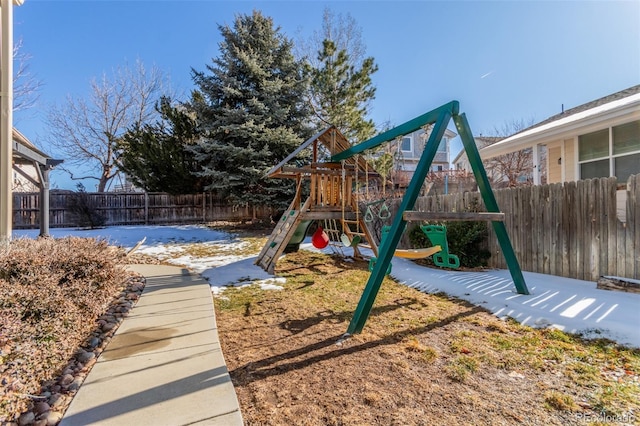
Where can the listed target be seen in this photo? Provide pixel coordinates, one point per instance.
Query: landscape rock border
(48, 408)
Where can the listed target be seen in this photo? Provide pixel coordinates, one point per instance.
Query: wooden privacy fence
(569, 230)
(132, 208)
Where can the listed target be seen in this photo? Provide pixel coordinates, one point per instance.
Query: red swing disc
(320, 239)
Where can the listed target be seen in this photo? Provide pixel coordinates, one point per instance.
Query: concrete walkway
(164, 365)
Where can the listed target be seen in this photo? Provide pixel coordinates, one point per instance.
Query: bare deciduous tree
(514, 168)
(341, 89)
(85, 131)
(26, 85)
(343, 31)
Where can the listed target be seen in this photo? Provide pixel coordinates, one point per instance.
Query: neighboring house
(597, 139)
(124, 184)
(509, 170)
(408, 150)
(461, 162)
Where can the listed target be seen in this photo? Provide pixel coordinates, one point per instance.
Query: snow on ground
(574, 306)
(172, 243)
(128, 236)
(239, 273)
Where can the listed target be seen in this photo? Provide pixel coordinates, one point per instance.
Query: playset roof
(332, 139)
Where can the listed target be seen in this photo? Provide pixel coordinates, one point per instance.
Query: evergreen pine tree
(340, 93)
(155, 156)
(250, 106)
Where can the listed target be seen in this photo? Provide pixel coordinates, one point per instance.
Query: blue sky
(503, 60)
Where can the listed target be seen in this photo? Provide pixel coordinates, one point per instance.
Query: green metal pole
(390, 242)
(490, 201)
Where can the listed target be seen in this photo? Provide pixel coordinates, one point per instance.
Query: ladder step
(282, 232)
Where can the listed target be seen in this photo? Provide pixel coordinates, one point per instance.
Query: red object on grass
(320, 239)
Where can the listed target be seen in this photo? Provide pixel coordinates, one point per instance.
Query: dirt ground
(421, 359)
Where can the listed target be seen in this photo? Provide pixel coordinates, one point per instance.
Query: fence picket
(633, 227)
(545, 230)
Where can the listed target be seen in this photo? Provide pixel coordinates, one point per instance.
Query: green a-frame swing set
(439, 118)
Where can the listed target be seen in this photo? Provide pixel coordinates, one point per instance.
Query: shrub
(51, 293)
(466, 240)
(83, 210)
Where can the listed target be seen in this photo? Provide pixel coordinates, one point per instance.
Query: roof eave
(557, 130)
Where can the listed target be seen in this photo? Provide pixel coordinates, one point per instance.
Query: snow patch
(573, 306)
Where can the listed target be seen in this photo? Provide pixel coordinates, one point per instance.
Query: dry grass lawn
(421, 360)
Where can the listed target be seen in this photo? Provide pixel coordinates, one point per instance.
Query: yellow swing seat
(420, 253)
(406, 253)
(417, 253)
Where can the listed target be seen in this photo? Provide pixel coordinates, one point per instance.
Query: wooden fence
(569, 230)
(132, 208)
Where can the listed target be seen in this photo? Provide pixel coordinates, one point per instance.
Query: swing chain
(357, 198)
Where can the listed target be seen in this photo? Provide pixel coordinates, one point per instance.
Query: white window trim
(611, 161)
(410, 143)
(563, 162)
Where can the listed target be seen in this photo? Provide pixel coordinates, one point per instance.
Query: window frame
(410, 137)
(610, 157)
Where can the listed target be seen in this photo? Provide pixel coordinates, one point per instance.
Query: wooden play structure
(334, 196)
(333, 200)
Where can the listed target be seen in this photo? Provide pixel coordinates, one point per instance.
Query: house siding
(418, 145)
(570, 171)
(555, 169)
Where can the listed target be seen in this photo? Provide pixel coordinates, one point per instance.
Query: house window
(626, 138)
(594, 145)
(613, 151)
(594, 169)
(626, 150)
(627, 166)
(407, 144)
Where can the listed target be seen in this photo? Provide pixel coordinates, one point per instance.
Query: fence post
(146, 208)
